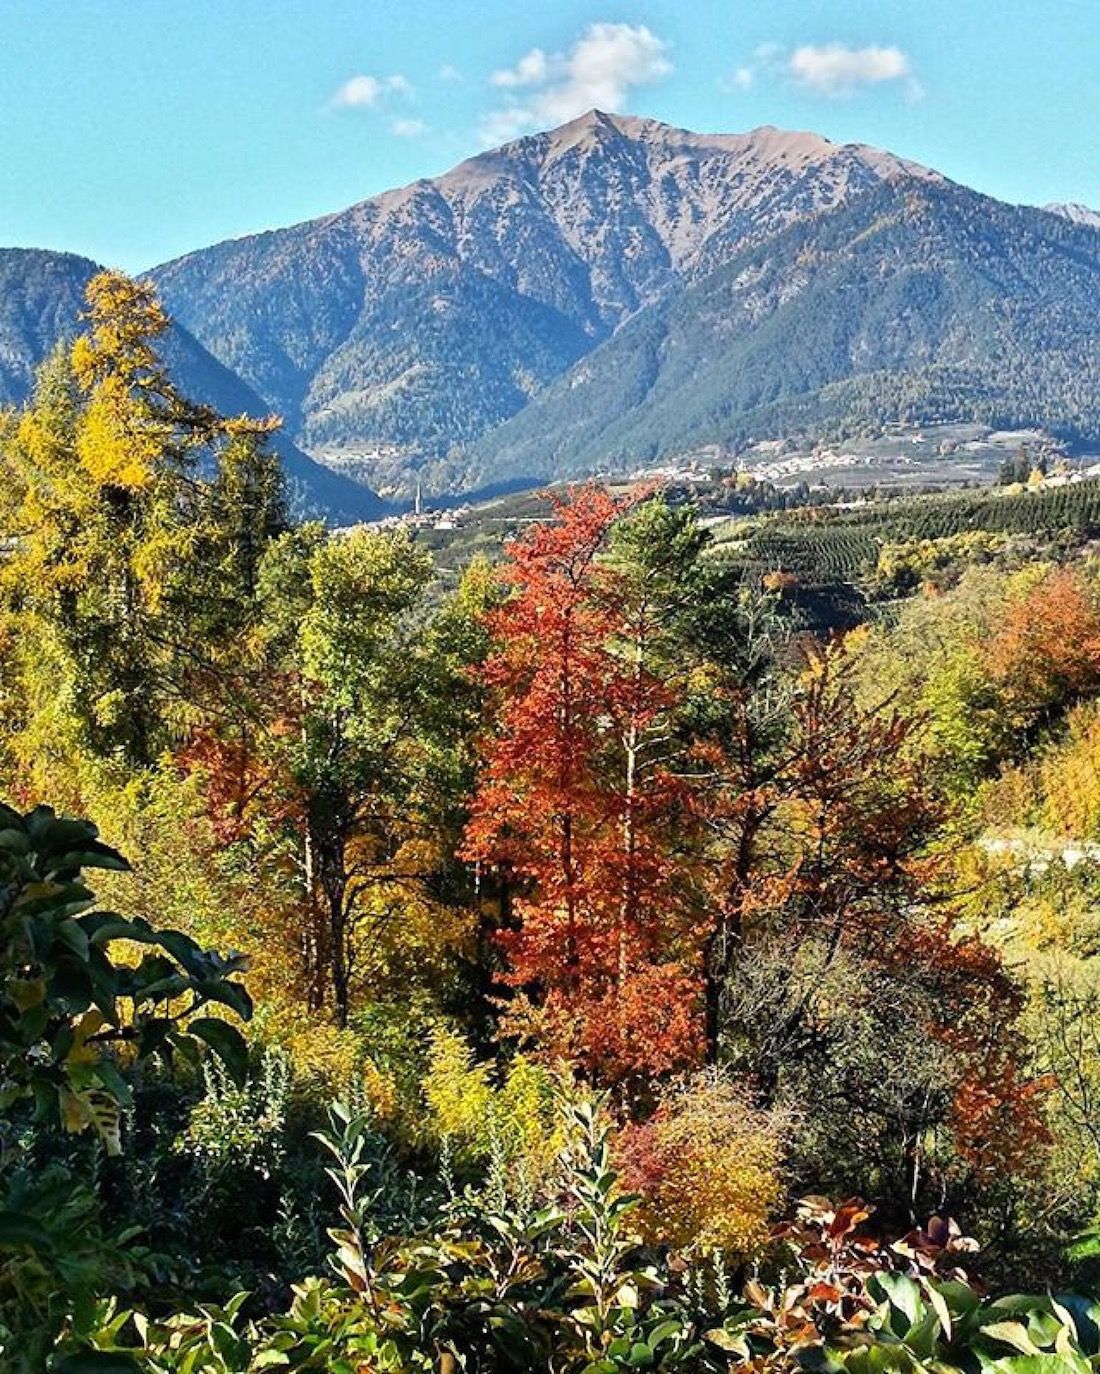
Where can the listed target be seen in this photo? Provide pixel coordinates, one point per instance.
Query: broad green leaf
(1012, 1333)
(227, 1043)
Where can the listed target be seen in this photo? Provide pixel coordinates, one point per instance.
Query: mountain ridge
(555, 239)
(550, 307)
(957, 325)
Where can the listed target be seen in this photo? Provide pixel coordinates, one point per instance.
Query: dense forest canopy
(504, 974)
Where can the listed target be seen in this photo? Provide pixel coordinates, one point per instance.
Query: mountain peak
(1075, 212)
(591, 127)
(503, 271)
(764, 147)
(751, 163)
(594, 119)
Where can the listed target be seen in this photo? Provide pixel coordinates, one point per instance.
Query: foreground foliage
(564, 1284)
(73, 1018)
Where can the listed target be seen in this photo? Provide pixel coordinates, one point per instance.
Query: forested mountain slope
(419, 319)
(913, 303)
(616, 290)
(41, 300)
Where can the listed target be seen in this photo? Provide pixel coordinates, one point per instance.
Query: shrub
(239, 1127)
(515, 1119)
(707, 1166)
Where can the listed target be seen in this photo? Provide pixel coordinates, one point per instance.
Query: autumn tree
(816, 817)
(851, 992)
(1044, 650)
(124, 508)
(737, 715)
(374, 694)
(991, 666)
(134, 525)
(577, 810)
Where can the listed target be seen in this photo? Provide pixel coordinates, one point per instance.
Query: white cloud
(599, 70)
(502, 126)
(363, 92)
(356, 92)
(835, 69)
(531, 70)
(408, 128)
(449, 73)
(768, 59)
(740, 79)
(830, 69)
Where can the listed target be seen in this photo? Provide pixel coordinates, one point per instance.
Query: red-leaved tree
(577, 812)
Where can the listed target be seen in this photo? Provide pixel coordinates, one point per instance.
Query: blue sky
(134, 130)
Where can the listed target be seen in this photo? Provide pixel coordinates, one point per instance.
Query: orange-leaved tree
(1044, 650)
(578, 812)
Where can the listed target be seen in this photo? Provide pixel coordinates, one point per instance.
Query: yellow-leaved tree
(114, 526)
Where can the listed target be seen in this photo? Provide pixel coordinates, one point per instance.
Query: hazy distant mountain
(416, 321)
(1075, 213)
(41, 298)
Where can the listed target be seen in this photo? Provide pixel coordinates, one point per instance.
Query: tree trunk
(728, 934)
(629, 902)
(313, 937)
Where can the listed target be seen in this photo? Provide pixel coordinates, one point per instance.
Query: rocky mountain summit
(409, 325)
(617, 290)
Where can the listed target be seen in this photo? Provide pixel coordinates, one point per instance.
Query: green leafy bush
(74, 1017)
(562, 1283)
